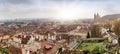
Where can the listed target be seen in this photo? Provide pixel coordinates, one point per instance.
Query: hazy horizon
(60, 9)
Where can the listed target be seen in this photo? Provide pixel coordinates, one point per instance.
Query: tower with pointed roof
(96, 16)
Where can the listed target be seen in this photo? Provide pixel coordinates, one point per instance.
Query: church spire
(96, 16)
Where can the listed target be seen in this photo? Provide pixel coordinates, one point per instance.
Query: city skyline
(59, 27)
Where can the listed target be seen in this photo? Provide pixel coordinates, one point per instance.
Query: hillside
(112, 16)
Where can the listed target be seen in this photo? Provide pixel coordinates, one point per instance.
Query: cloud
(15, 1)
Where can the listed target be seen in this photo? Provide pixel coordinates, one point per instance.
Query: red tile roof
(15, 50)
(26, 28)
(44, 32)
(25, 40)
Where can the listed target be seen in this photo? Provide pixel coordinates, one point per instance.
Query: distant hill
(112, 16)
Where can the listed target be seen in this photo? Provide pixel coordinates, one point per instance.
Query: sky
(60, 9)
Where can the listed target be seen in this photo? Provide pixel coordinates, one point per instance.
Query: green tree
(98, 50)
(116, 26)
(4, 51)
(88, 35)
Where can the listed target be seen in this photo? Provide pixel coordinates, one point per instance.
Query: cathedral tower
(96, 16)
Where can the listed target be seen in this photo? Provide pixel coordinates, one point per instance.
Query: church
(99, 20)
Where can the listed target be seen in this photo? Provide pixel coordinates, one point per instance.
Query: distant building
(100, 21)
(95, 31)
(96, 16)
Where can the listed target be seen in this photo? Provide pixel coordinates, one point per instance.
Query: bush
(93, 48)
(4, 51)
(98, 50)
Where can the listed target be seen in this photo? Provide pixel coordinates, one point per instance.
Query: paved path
(74, 44)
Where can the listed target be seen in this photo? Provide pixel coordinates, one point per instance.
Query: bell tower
(96, 16)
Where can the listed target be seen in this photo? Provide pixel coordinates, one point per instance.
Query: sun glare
(68, 13)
